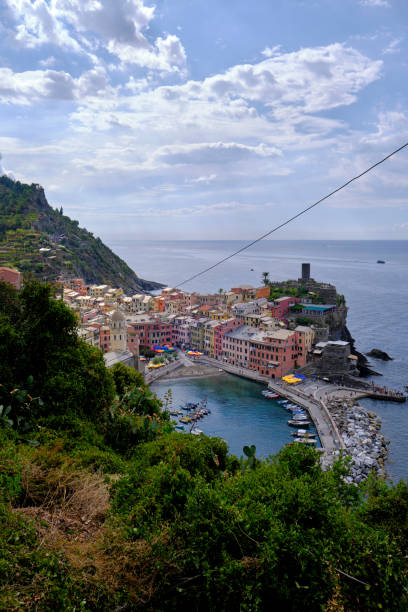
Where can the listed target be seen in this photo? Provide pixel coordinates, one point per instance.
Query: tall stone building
(118, 333)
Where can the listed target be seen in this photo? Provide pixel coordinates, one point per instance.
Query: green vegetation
(285, 290)
(104, 507)
(28, 224)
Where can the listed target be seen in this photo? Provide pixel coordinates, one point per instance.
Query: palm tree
(265, 278)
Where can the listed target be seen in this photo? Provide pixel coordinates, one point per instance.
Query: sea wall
(362, 438)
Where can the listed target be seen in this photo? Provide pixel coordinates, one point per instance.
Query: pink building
(180, 335)
(279, 308)
(152, 332)
(237, 345)
(104, 338)
(276, 353)
(223, 328)
(12, 276)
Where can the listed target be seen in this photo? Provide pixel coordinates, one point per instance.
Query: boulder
(378, 354)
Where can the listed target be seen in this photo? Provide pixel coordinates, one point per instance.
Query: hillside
(28, 223)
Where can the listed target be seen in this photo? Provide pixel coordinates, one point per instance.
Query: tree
(125, 377)
(265, 279)
(38, 339)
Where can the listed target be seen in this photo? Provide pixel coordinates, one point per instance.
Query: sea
(376, 295)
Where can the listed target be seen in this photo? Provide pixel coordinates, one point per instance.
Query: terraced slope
(42, 241)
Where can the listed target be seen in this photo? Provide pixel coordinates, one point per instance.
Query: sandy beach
(193, 371)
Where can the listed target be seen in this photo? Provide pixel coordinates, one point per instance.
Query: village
(246, 327)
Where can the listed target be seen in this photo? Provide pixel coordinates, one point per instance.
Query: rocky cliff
(43, 242)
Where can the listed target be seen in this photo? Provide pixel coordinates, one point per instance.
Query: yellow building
(307, 336)
(218, 315)
(209, 343)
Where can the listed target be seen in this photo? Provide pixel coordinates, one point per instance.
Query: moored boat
(300, 433)
(305, 440)
(296, 423)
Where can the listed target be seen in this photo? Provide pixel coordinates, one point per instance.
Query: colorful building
(275, 354)
(12, 276)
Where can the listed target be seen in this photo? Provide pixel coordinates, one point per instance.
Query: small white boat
(296, 423)
(303, 432)
(305, 440)
(196, 432)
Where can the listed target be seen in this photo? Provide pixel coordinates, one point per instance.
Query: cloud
(3, 171)
(392, 47)
(270, 52)
(34, 85)
(83, 26)
(383, 3)
(212, 153)
(204, 179)
(48, 62)
(195, 210)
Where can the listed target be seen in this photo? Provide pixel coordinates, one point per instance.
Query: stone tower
(118, 332)
(305, 271)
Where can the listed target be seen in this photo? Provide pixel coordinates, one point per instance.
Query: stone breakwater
(362, 438)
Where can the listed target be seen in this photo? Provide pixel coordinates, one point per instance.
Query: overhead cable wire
(299, 214)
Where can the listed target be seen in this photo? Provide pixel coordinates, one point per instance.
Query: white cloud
(203, 179)
(33, 85)
(212, 153)
(120, 26)
(383, 3)
(48, 62)
(3, 171)
(270, 52)
(393, 47)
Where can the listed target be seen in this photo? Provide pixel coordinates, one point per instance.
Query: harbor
(340, 423)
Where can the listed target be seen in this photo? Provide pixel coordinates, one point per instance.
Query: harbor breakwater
(363, 441)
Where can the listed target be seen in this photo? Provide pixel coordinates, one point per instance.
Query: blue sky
(216, 119)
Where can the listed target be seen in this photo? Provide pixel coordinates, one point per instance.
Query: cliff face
(28, 223)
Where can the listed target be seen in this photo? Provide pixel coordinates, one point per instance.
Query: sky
(215, 119)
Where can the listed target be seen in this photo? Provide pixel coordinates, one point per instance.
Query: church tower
(118, 333)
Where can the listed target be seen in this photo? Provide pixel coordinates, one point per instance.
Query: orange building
(12, 276)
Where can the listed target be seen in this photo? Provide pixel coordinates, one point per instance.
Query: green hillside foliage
(28, 224)
(104, 507)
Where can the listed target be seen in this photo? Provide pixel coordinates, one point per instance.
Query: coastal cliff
(43, 242)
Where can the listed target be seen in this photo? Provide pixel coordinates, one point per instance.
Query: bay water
(376, 294)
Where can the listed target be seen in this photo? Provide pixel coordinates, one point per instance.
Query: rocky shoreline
(362, 438)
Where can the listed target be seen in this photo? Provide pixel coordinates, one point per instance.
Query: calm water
(377, 296)
(239, 412)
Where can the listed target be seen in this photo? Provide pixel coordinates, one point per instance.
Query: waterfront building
(275, 354)
(181, 332)
(209, 342)
(236, 346)
(220, 331)
(197, 333)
